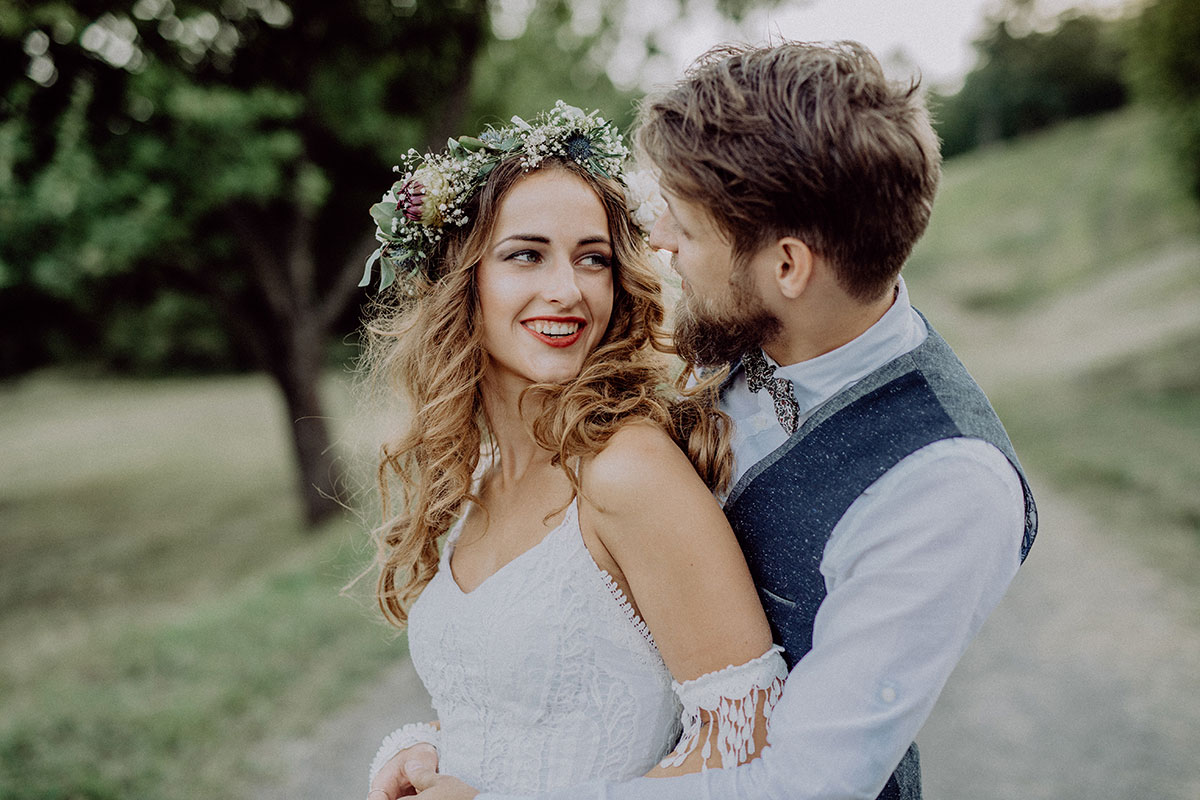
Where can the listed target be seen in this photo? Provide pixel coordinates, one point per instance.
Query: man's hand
(394, 780)
(431, 786)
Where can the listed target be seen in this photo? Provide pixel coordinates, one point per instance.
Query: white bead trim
(401, 739)
(618, 594)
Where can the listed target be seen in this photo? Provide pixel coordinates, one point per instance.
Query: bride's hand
(432, 786)
(394, 780)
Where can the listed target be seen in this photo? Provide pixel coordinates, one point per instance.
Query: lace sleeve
(399, 739)
(730, 698)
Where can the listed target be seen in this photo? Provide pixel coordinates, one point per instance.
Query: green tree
(188, 156)
(1026, 79)
(184, 182)
(1164, 68)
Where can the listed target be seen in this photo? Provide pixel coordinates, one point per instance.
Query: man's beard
(708, 335)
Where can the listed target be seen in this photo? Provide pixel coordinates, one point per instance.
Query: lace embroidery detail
(538, 677)
(626, 607)
(730, 696)
(400, 739)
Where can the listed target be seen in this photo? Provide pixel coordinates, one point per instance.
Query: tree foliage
(184, 183)
(1164, 68)
(170, 164)
(1026, 79)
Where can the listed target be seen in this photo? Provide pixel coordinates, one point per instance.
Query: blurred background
(185, 477)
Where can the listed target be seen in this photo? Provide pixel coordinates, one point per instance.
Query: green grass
(1030, 219)
(1124, 438)
(163, 612)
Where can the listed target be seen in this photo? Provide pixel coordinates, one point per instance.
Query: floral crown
(436, 187)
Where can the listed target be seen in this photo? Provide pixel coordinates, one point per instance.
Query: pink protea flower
(424, 196)
(412, 199)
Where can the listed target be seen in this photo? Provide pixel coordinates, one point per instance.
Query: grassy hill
(161, 615)
(1065, 268)
(1025, 221)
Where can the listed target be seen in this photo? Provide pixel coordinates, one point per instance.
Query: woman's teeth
(548, 328)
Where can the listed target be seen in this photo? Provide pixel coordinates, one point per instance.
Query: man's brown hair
(805, 140)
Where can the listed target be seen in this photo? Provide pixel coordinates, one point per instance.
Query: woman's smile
(556, 331)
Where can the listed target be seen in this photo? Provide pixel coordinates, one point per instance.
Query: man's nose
(661, 237)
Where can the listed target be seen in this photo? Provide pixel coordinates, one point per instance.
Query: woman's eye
(525, 256)
(596, 260)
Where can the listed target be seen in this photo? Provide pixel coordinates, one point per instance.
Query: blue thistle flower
(579, 148)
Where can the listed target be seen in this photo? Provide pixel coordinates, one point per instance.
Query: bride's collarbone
(518, 521)
(509, 523)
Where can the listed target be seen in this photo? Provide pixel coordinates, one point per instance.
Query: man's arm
(912, 570)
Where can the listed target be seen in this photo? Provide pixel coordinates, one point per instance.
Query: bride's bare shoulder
(640, 465)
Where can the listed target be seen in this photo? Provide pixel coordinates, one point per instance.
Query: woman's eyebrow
(525, 237)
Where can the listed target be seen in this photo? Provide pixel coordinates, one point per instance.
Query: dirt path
(1084, 683)
(332, 763)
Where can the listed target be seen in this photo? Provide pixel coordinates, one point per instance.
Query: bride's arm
(650, 515)
(725, 715)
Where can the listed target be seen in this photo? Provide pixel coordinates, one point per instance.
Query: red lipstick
(555, 339)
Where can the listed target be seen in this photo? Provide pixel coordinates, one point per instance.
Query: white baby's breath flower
(572, 113)
(436, 187)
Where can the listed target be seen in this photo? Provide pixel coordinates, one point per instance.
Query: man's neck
(826, 324)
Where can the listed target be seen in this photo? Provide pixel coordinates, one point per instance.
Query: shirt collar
(817, 379)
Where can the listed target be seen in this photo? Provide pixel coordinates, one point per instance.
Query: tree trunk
(298, 374)
(286, 332)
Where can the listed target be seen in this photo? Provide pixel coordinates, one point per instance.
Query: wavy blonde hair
(426, 349)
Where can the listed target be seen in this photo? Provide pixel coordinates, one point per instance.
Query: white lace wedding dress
(544, 677)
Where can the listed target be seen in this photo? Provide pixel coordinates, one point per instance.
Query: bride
(589, 613)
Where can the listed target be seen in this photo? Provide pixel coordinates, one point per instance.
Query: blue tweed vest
(785, 507)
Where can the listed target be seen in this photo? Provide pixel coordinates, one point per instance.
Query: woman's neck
(519, 455)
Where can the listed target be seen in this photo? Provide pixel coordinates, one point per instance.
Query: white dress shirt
(911, 571)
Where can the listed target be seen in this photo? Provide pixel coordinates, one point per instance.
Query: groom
(878, 499)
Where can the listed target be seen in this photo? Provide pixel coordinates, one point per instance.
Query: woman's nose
(562, 286)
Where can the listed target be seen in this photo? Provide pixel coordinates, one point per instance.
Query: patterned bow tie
(759, 375)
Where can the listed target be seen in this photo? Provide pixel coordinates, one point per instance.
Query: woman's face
(545, 282)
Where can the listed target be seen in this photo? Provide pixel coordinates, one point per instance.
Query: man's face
(720, 313)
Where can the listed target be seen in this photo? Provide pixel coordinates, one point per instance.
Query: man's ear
(794, 262)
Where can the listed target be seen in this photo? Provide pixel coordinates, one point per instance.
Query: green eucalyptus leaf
(383, 214)
(366, 278)
(472, 144)
(387, 273)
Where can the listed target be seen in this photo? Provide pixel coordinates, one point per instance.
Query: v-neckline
(451, 546)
